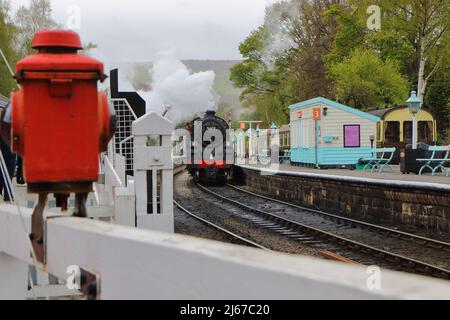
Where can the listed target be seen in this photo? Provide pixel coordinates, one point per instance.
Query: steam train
(212, 153)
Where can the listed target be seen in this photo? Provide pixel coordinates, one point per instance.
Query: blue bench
(382, 162)
(434, 163)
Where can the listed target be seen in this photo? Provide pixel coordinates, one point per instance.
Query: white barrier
(139, 264)
(153, 172)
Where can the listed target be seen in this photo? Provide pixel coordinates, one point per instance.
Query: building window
(392, 132)
(352, 136)
(379, 137)
(425, 131)
(407, 132)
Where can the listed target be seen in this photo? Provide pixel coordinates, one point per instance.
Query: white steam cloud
(189, 94)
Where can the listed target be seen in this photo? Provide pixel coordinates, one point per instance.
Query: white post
(125, 206)
(243, 147)
(158, 160)
(250, 144)
(415, 131)
(13, 278)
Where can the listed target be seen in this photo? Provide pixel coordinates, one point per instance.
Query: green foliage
(7, 34)
(275, 75)
(262, 85)
(336, 56)
(252, 46)
(392, 46)
(438, 98)
(364, 81)
(350, 33)
(447, 129)
(426, 25)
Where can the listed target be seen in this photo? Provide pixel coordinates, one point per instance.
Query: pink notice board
(352, 136)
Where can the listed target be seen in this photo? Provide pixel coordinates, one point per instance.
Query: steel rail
(418, 266)
(323, 253)
(394, 233)
(217, 227)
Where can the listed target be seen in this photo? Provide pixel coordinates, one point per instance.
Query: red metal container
(60, 121)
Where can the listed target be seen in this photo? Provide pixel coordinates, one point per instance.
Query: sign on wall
(317, 113)
(299, 114)
(352, 136)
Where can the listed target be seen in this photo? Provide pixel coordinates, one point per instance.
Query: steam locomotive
(212, 153)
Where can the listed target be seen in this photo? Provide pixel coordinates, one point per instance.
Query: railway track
(243, 238)
(245, 241)
(432, 243)
(315, 236)
(212, 225)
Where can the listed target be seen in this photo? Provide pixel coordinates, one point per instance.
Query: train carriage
(395, 128)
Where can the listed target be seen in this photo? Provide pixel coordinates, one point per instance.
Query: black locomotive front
(212, 153)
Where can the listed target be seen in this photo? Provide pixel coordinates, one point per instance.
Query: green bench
(382, 162)
(435, 162)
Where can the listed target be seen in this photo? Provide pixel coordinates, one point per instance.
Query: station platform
(389, 177)
(406, 201)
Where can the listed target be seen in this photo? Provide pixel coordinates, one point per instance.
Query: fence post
(153, 172)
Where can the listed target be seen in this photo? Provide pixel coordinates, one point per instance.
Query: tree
(364, 81)
(426, 23)
(283, 59)
(30, 20)
(350, 35)
(353, 34)
(437, 98)
(252, 74)
(260, 83)
(7, 34)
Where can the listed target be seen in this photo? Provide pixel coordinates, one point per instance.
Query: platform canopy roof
(335, 105)
(383, 113)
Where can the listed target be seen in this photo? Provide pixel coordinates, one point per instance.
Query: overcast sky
(136, 30)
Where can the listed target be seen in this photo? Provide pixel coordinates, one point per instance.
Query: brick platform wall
(410, 205)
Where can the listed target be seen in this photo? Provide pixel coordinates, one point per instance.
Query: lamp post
(414, 104)
(258, 132)
(372, 143)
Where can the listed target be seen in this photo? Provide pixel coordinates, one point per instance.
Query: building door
(317, 116)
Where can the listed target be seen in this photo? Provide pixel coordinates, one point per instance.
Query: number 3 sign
(317, 114)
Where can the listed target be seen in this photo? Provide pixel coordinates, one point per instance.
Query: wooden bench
(380, 163)
(434, 163)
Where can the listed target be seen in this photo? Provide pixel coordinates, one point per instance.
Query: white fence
(137, 264)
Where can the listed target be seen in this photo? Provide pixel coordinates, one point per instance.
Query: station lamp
(414, 105)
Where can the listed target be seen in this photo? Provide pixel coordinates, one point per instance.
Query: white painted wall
(332, 125)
